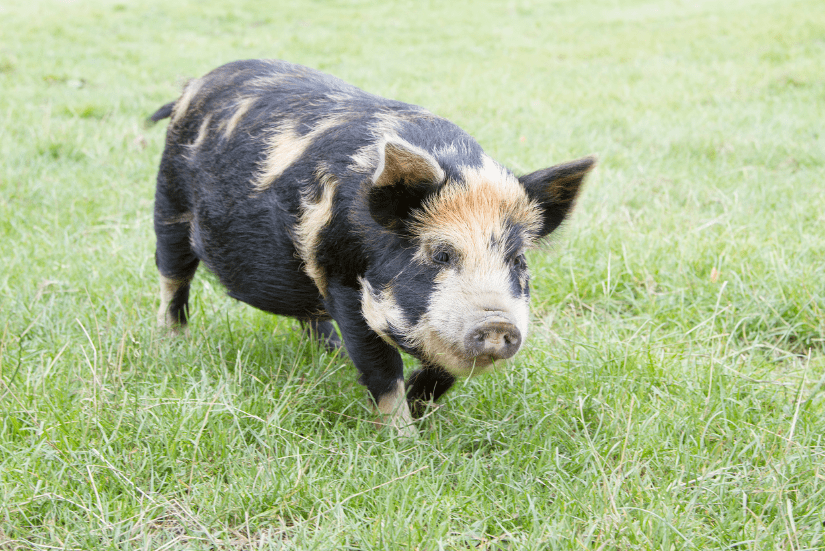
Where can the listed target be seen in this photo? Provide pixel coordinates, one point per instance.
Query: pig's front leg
(380, 364)
(427, 385)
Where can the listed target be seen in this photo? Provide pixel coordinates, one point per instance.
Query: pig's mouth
(483, 361)
(462, 361)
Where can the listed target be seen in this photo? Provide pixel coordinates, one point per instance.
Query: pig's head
(449, 282)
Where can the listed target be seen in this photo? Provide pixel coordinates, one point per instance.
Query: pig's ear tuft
(555, 189)
(404, 177)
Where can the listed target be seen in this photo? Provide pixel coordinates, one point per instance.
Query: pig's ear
(555, 190)
(405, 176)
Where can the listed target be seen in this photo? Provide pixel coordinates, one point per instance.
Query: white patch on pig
(228, 125)
(285, 146)
(380, 310)
(190, 90)
(315, 217)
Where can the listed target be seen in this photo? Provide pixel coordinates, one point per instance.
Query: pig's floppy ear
(555, 190)
(404, 177)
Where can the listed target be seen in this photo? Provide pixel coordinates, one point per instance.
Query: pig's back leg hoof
(427, 385)
(177, 268)
(324, 333)
(174, 303)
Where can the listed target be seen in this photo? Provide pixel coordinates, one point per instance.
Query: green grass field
(670, 395)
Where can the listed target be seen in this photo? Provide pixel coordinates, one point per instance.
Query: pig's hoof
(173, 330)
(166, 325)
(396, 429)
(407, 431)
(418, 408)
(421, 408)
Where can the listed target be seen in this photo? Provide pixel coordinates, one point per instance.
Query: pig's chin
(469, 367)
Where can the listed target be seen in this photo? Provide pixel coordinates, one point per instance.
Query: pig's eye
(441, 257)
(519, 262)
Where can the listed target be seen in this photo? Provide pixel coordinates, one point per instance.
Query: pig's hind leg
(174, 258)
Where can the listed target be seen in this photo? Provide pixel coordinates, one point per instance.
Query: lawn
(670, 395)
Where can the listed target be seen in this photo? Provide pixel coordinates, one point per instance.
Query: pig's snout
(495, 337)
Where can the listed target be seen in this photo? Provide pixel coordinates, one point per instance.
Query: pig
(313, 199)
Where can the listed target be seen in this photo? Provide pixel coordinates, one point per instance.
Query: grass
(670, 396)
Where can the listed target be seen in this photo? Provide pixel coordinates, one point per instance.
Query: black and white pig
(311, 198)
